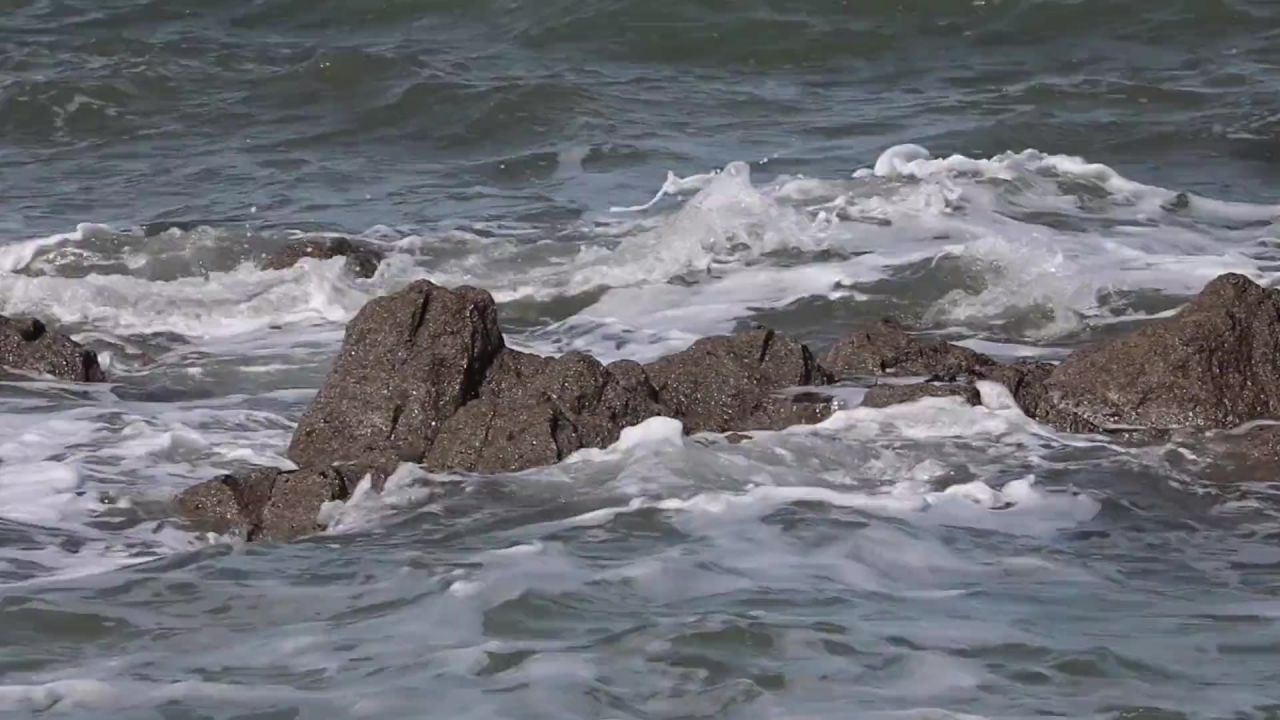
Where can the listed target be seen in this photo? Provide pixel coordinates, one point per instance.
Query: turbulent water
(625, 176)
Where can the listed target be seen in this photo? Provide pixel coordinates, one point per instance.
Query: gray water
(926, 561)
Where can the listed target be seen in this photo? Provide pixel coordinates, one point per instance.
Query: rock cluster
(424, 376)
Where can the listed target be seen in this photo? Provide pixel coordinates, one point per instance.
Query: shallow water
(626, 177)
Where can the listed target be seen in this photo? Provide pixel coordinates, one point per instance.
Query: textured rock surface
(1027, 383)
(273, 505)
(535, 411)
(887, 349)
(263, 505)
(1215, 364)
(423, 376)
(1262, 446)
(885, 395)
(732, 382)
(408, 361)
(362, 258)
(27, 345)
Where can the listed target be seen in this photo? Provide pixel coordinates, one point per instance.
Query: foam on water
(1053, 242)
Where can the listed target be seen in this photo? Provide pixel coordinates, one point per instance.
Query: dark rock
(885, 395)
(362, 258)
(1262, 446)
(887, 349)
(408, 361)
(264, 505)
(1216, 364)
(1027, 384)
(732, 382)
(535, 411)
(27, 345)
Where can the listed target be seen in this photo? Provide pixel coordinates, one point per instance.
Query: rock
(1026, 382)
(732, 382)
(362, 258)
(535, 411)
(408, 362)
(1262, 446)
(264, 505)
(1216, 364)
(885, 395)
(27, 345)
(886, 349)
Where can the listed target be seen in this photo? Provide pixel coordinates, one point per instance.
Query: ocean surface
(626, 176)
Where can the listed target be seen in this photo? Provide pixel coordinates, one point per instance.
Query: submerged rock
(887, 349)
(362, 258)
(264, 505)
(1216, 364)
(27, 345)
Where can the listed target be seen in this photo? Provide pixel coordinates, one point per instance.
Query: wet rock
(882, 396)
(535, 411)
(733, 382)
(887, 349)
(408, 362)
(263, 505)
(1262, 447)
(1216, 364)
(362, 258)
(1027, 383)
(27, 345)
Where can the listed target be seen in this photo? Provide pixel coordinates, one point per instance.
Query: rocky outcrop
(1215, 364)
(362, 258)
(27, 345)
(424, 376)
(408, 362)
(887, 349)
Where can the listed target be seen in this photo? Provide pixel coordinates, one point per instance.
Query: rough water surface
(1020, 176)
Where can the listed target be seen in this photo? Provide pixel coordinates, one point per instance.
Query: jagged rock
(408, 361)
(423, 376)
(27, 345)
(362, 258)
(732, 382)
(887, 349)
(1216, 364)
(882, 396)
(534, 411)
